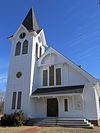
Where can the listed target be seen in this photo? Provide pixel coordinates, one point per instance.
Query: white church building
(44, 83)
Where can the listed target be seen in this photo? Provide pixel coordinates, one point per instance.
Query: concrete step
(53, 120)
(63, 121)
(57, 122)
(60, 122)
(72, 126)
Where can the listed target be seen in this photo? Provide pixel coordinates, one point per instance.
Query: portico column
(58, 98)
(83, 114)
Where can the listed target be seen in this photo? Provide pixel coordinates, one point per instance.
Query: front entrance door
(52, 107)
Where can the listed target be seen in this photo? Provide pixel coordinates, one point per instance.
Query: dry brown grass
(13, 129)
(50, 130)
(69, 130)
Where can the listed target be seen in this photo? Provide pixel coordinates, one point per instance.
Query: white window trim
(64, 104)
(55, 75)
(16, 100)
(21, 100)
(47, 77)
(12, 99)
(55, 67)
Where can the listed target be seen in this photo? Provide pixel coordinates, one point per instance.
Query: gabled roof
(58, 90)
(70, 63)
(30, 21)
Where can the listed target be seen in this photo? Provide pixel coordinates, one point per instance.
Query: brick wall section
(99, 122)
(95, 122)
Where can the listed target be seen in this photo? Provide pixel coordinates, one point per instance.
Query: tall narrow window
(39, 39)
(25, 47)
(51, 75)
(58, 76)
(36, 49)
(40, 51)
(45, 77)
(18, 48)
(66, 105)
(14, 100)
(19, 100)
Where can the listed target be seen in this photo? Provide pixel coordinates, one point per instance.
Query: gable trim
(71, 63)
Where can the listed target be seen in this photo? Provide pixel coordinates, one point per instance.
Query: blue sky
(71, 27)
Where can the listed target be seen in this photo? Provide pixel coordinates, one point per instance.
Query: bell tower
(28, 45)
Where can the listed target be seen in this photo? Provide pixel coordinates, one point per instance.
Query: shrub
(15, 119)
(1, 107)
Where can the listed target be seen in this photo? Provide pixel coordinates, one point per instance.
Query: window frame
(47, 68)
(13, 106)
(57, 76)
(51, 82)
(40, 51)
(39, 39)
(19, 103)
(36, 50)
(18, 48)
(43, 77)
(22, 35)
(66, 110)
(18, 75)
(25, 47)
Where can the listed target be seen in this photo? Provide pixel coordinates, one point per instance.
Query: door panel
(52, 107)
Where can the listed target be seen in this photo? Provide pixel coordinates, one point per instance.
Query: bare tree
(2, 94)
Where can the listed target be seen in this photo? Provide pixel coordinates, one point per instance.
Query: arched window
(25, 47)
(36, 49)
(18, 48)
(40, 51)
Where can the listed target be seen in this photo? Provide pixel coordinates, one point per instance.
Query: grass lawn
(50, 129)
(13, 129)
(69, 130)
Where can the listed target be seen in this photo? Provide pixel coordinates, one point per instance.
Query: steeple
(30, 21)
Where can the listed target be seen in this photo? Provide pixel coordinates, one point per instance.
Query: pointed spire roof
(30, 21)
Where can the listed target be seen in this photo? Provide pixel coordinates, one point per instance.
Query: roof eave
(53, 95)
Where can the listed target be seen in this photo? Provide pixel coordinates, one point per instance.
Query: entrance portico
(53, 104)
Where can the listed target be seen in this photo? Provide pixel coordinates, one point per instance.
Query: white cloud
(3, 79)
